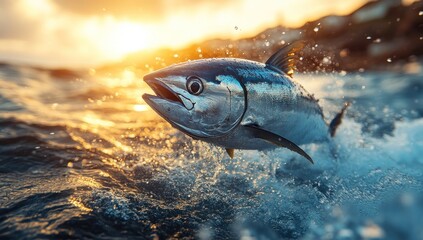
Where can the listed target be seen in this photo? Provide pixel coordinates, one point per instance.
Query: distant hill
(377, 34)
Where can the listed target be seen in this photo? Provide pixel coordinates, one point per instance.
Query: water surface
(82, 156)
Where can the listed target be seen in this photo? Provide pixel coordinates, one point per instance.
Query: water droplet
(368, 37)
(267, 43)
(389, 60)
(346, 233)
(326, 60)
(54, 105)
(363, 87)
(421, 13)
(316, 29)
(371, 231)
(175, 55)
(343, 53)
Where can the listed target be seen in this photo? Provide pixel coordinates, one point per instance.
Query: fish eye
(194, 85)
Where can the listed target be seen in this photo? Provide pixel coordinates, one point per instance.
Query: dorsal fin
(283, 59)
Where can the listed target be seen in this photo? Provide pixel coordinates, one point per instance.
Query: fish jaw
(171, 105)
(162, 91)
(167, 103)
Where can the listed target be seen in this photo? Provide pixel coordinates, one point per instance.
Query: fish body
(276, 103)
(238, 104)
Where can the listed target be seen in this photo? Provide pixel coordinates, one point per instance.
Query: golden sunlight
(96, 121)
(141, 107)
(116, 38)
(78, 34)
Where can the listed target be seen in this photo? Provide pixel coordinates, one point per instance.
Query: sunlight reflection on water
(92, 154)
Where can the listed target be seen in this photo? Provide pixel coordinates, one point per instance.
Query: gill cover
(218, 109)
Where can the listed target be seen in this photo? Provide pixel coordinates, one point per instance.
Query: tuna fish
(240, 104)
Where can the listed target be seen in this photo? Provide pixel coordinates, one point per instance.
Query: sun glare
(41, 6)
(140, 107)
(116, 38)
(113, 38)
(55, 36)
(127, 37)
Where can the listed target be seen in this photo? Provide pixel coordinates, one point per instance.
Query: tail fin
(337, 120)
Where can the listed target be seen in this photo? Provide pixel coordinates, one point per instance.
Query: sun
(116, 38)
(126, 37)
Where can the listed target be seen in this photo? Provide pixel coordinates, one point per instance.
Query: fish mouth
(162, 91)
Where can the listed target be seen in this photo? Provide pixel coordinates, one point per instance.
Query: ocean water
(82, 156)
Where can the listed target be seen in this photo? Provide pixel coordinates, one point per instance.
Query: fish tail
(337, 120)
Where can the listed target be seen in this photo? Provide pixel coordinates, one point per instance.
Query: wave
(99, 167)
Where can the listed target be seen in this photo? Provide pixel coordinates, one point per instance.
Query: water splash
(111, 166)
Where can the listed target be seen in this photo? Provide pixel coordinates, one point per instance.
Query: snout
(150, 76)
(154, 75)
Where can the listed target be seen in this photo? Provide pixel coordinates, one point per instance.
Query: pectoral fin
(230, 152)
(277, 140)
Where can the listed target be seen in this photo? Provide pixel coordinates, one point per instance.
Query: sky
(80, 33)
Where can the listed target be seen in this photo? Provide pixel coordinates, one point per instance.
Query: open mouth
(163, 91)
